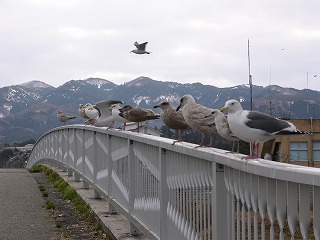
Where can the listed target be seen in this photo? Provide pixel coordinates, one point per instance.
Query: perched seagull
(141, 48)
(198, 117)
(63, 117)
(223, 128)
(82, 111)
(256, 127)
(115, 112)
(100, 110)
(137, 114)
(92, 111)
(172, 119)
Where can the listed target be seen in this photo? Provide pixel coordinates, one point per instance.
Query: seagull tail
(294, 132)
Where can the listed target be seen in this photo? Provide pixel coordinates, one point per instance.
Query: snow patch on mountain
(7, 107)
(97, 82)
(35, 84)
(171, 98)
(139, 99)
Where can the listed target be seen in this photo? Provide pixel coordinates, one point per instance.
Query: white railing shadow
(178, 192)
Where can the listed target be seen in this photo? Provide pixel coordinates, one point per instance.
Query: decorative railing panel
(179, 192)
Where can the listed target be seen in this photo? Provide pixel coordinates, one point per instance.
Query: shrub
(50, 205)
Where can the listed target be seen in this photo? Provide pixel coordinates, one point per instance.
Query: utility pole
(250, 77)
(308, 94)
(270, 105)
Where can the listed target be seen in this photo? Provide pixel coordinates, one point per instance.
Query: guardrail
(178, 192)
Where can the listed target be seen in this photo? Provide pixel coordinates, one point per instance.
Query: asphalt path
(22, 208)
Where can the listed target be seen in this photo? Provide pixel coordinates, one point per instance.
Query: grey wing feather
(136, 44)
(203, 114)
(104, 105)
(265, 122)
(142, 46)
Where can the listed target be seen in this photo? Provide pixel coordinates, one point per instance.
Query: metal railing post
(77, 177)
(70, 172)
(219, 204)
(96, 157)
(85, 185)
(164, 196)
(132, 187)
(96, 194)
(112, 209)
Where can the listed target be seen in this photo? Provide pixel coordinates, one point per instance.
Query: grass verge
(82, 209)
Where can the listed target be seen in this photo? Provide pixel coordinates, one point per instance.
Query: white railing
(178, 192)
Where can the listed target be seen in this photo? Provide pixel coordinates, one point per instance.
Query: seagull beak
(155, 106)
(178, 107)
(223, 109)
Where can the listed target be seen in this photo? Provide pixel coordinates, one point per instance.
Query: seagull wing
(104, 105)
(265, 122)
(136, 44)
(201, 114)
(142, 46)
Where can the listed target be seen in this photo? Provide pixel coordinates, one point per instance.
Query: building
(27, 147)
(296, 149)
(142, 128)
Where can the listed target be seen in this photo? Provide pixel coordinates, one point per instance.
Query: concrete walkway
(22, 212)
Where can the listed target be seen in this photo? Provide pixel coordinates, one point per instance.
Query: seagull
(92, 111)
(256, 127)
(115, 112)
(198, 117)
(99, 114)
(64, 117)
(141, 48)
(137, 114)
(82, 111)
(223, 128)
(172, 119)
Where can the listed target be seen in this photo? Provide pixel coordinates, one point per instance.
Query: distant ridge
(35, 84)
(28, 110)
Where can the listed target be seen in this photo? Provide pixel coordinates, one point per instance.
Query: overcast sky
(55, 41)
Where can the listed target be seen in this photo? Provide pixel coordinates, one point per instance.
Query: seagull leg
(124, 126)
(210, 143)
(233, 146)
(232, 149)
(201, 142)
(238, 149)
(254, 148)
(179, 137)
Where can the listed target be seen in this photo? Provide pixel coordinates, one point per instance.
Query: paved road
(22, 212)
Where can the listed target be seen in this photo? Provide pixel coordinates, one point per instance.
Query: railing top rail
(266, 168)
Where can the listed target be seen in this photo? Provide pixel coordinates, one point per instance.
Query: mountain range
(29, 110)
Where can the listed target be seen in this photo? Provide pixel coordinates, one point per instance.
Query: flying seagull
(172, 119)
(256, 127)
(64, 117)
(198, 117)
(141, 48)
